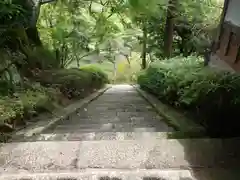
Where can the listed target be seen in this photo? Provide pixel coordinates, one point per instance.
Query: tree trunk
(144, 48)
(33, 36)
(169, 29)
(34, 7)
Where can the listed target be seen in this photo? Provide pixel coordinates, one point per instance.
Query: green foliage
(78, 31)
(127, 73)
(98, 75)
(194, 27)
(42, 58)
(73, 83)
(24, 103)
(12, 13)
(13, 16)
(33, 98)
(210, 95)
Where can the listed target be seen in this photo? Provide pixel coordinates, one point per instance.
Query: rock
(6, 128)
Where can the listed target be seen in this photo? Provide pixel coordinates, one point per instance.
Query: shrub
(23, 104)
(43, 59)
(98, 75)
(74, 83)
(211, 96)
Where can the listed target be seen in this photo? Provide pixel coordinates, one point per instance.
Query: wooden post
(169, 28)
(216, 41)
(144, 48)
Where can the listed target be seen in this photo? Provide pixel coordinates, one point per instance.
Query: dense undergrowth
(210, 96)
(46, 91)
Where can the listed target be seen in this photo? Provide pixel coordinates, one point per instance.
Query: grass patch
(210, 97)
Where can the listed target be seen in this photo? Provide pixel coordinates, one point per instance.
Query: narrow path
(119, 113)
(118, 137)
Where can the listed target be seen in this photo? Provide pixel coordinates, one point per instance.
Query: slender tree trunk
(144, 48)
(33, 36)
(114, 71)
(169, 29)
(78, 61)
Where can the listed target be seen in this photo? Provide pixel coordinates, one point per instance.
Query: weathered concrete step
(111, 127)
(106, 175)
(118, 100)
(98, 136)
(119, 109)
(105, 125)
(128, 103)
(53, 156)
(141, 174)
(113, 114)
(123, 129)
(116, 120)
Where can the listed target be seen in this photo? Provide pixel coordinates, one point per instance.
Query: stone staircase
(118, 136)
(119, 112)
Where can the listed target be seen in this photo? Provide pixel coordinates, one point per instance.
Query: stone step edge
(104, 136)
(165, 173)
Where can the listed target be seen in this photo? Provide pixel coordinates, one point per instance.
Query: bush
(42, 59)
(23, 104)
(210, 95)
(74, 83)
(98, 75)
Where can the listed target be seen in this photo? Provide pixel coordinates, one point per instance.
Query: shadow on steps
(213, 159)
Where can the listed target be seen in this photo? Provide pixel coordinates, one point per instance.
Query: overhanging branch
(45, 1)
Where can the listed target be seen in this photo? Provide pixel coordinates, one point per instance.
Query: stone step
(98, 136)
(85, 121)
(141, 174)
(106, 174)
(90, 130)
(146, 153)
(119, 109)
(95, 111)
(119, 115)
(108, 119)
(105, 125)
(110, 127)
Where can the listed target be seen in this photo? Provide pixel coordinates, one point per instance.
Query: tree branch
(45, 1)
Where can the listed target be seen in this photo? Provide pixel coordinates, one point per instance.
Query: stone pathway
(118, 136)
(120, 113)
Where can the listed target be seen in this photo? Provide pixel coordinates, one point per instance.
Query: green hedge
(211, 96)
(74, 82)
(26, 103)
(98, 76)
